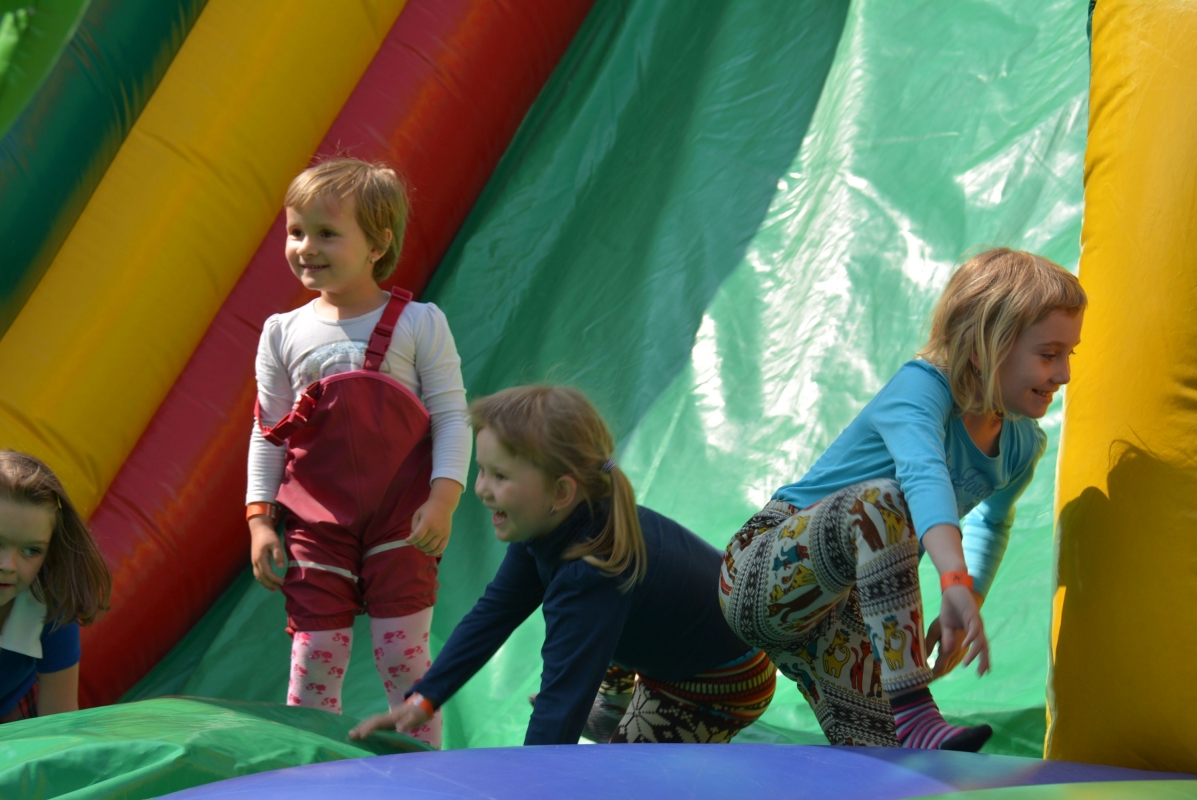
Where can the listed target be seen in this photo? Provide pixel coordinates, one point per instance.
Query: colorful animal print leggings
(710, 707)
(826, 590)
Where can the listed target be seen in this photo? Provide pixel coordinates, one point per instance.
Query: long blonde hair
(559, 431)
(987, 304)
(74, 582)
(379, 196)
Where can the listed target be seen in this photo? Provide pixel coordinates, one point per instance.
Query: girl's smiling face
(1039, 363)
(328, 250)
(524, 502)
(25, 531)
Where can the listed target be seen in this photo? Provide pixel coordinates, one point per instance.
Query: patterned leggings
(825, 591)
(709, 707)
(26, 707)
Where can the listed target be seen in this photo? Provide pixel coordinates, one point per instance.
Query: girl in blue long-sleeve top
(623, 589)
(825, 577)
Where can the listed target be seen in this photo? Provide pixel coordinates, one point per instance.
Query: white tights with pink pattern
(319, 660)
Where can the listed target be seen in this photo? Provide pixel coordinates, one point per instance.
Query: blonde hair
(379, 198)
(986, 306)
(73, 582)
(559, 431)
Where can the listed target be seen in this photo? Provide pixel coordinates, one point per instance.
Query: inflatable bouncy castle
(726, 222)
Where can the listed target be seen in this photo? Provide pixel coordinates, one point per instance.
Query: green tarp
(727, 222)
(166, 745)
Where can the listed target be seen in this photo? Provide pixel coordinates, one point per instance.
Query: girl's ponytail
(622, 541)
(560, 432)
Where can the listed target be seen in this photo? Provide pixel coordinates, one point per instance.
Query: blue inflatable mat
(663, 771)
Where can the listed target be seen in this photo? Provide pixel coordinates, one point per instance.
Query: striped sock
(921, 726)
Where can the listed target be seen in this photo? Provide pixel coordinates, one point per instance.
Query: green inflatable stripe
(65, 136)
(142, 750)
(32, 38)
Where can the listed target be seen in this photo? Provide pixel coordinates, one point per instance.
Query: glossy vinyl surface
(1129, 425)
(143, 750)
(701, 771)
(728, 227)
(82, 74)
(445, 92)
(169, 229)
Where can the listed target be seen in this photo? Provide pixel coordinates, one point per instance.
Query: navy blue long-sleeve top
(668, 627)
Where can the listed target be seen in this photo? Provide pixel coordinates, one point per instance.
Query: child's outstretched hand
(959, 632)
(266, 552)
(433, 522)
(404, 718)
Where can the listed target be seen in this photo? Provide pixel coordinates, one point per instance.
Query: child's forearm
(942, 543)
(446, 493)
(58, 691)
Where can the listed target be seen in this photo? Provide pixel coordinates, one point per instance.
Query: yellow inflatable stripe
(1122, 677)
(176, 218)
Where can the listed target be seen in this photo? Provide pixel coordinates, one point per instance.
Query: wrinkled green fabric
(33, 35)
(931, 139)
(727, 222)
(140, 750)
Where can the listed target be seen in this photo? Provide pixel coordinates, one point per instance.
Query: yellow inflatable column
(1123, 683)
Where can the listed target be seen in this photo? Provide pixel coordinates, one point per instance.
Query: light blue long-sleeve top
(910, 432)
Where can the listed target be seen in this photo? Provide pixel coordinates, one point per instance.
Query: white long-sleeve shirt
(299, 348)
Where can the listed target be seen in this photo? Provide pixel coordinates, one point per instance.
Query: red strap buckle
(380, 338)
(296, 419)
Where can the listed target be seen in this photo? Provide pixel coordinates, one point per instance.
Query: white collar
(22, 632)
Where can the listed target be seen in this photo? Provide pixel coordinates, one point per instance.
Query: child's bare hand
(266, 552)
(946, 660)
(432, 523)
(959, 632)
(403, 718)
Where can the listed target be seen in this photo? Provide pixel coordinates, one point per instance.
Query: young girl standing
(364, 388)
(52, 580)
(825, 577)
(619, 585)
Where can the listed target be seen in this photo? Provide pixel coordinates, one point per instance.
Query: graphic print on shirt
(970, 485)
(334, 359)
(971, 488)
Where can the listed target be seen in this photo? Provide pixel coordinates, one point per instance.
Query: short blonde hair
(379, 198)
(987, 304)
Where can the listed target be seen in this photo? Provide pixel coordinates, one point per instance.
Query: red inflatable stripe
(441, 101)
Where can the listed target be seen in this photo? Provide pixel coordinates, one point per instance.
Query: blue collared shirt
(28, 646)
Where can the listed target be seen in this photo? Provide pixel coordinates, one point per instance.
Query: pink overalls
(359, 464)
